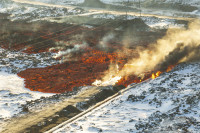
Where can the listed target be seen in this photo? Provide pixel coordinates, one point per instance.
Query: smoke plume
(177, 46)
(103, 44)
(68, 51)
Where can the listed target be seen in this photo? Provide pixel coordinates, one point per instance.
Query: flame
(64, 77)
(170, 68)
(155, 75)
(111, 81)
(121, 68)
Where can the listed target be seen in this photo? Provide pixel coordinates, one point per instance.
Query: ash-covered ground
(169, 103)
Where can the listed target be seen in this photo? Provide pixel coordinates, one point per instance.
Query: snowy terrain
(30, 12)
(153, 22)
(37, 11)
(12, 91)
(14, 62)
(13, 94)
(169, 103)
(191, 2)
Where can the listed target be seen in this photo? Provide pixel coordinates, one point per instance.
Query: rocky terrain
(169, 103)
(12, 90)
(91, 38)
(13, 62)
(28, 12)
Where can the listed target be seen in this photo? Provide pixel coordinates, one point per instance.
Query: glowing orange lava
(63, 77)
(90, 65)
(135, 79)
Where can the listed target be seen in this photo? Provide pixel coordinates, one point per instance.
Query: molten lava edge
(127, 80)
(63, 77)
(91, 64)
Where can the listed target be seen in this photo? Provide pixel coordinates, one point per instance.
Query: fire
(126, 80)
(90, 66)
(170, 68)
(64, 77)
(155, 75)
(111, 81)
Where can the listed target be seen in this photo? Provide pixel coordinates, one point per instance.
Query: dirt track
(20, 124)
(100, 10)
(17, 125)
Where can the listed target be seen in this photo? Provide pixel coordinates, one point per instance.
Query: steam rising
(67, 51)
(177, 46)
(103, 44)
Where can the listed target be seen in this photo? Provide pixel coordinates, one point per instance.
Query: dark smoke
(174, 57)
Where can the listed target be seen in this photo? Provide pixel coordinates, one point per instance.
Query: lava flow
(89, 53)
(63, 77)
(125, 81)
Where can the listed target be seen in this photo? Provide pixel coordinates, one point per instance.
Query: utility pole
(140, 8)
(127, 10)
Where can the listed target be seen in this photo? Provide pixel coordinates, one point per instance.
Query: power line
(140, 7)
(56, 36)
(63, 35)
(43, 36)
(127, 9)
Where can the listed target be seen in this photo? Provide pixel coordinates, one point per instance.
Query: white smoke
(178, 45)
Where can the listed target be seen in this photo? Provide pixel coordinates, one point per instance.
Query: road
(147, 13)
(20, 124)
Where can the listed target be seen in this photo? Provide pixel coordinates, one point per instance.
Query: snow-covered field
(13, 94)
(14, 62)
(153, 22)
(191, 2)
(30, 12)
(169, 103)
(23, 10)
(12, 91)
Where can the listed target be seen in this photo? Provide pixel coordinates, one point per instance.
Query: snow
(142, 105)
(14, 62)
(34, 10)
(62, 2)
(150, 99)
(12, 91)
(13, 94)
(192, 2)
